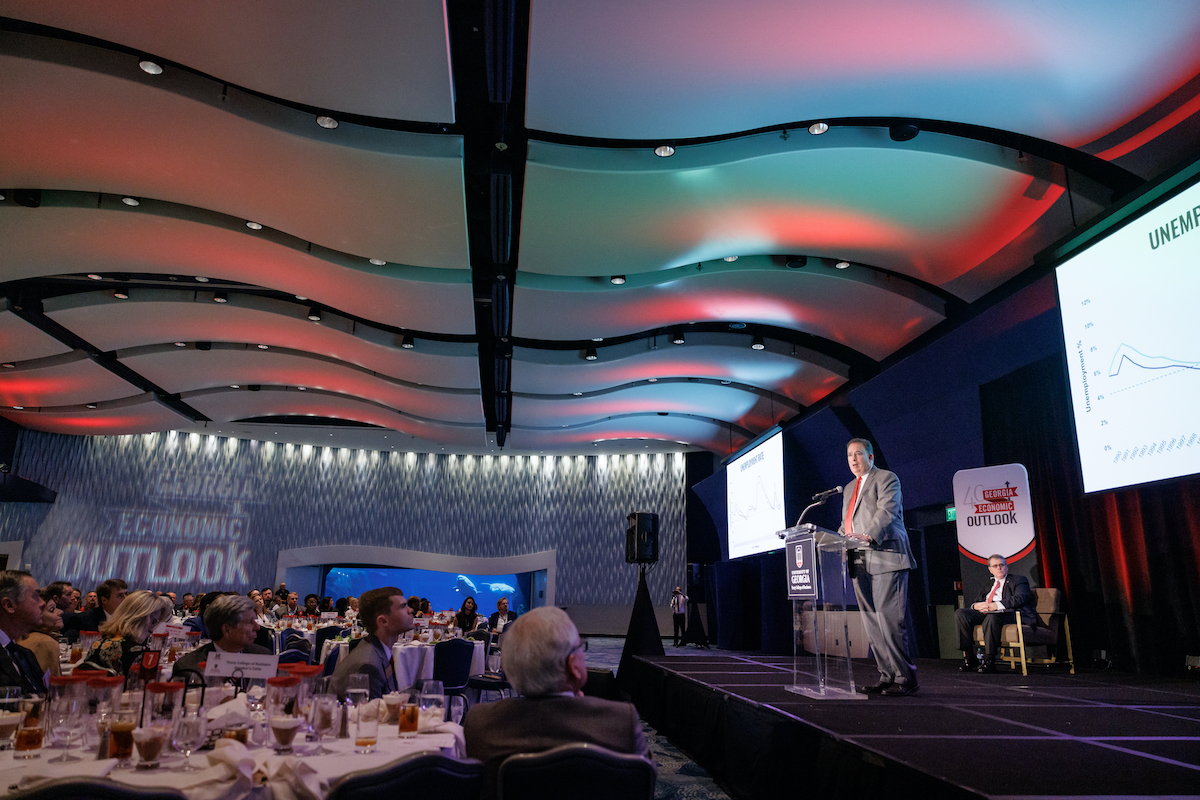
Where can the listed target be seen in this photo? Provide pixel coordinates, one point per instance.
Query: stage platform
(1051, 734)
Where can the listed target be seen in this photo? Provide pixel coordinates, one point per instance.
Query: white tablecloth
(287, 777)
(413, 661)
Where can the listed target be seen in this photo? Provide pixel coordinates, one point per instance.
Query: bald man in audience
(543, 659)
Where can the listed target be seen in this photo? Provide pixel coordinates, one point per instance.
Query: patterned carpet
(679, 778)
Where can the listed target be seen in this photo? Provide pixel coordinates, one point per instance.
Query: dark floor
(1098, 734)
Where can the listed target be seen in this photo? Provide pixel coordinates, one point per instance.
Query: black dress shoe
(969, 665)
(875, 688)
(901, 689)
(987, 666)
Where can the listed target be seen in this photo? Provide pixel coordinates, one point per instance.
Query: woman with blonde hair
(43, 640)
(126, 632)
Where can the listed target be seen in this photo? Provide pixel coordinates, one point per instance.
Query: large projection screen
(754, 488)
(1129, 312)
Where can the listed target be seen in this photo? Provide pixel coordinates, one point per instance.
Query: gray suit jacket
(495, 731)
(367, 657)
(879, 514)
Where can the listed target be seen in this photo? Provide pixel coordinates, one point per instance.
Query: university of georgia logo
(799, 557)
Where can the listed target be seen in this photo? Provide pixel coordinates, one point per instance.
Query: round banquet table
(413, 660)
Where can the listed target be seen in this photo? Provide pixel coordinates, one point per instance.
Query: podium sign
(802, 564)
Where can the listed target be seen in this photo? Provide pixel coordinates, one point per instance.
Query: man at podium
(873, 514)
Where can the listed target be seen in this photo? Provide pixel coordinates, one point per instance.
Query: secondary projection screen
(1129, 311)
(754, 492)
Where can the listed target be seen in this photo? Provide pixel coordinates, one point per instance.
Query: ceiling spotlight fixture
(150, 68)
(8, 365)
(327, 122)
(731, 259)
(664, 150)
(94, 276)
(903, 132)
(577, 394)
(314, 314)
(842, 264)
(234, 386)
(120, 294)
(91, 405)
(254, 226)
(220, 297)
(597, 338)
(758, 344)
(796, 262)
(301, 297)
(262, 347)
(617, 280)
(590, 354)
(817, 128)
(201, 279)
(131, 201)
(301, 389)
(726, 382)
(406, 341)
(677, 337)
(19, 408)
(379, 262)
(736, 326)
(652, 380)
(181, 344)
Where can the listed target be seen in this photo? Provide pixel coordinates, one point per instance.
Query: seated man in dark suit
(21, 607)
(543, 659)
(109, 596)
(996, 606)
(231, 620)
(502, 616)
(385, 615)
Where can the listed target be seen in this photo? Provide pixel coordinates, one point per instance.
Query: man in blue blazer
(873, 516)
(21, 607)
(996, 605)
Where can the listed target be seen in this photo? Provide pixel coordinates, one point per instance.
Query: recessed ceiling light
(758, 344)
(91, 405)
(736, 326)
(301, 297)
(181, 344)
(120, 295)
(150, 68)
(19, 408)
(842, 264)
(726, 383)
(8, 365)
(327, 122)
(233, 386)
(379, 262)
(677, 337)
(731, 258)
(617, 280)
(314, 314)
(817, 128)
(590, 354)
(94, 276)
(201, 279)
(254, 226)
(664, 151)
(406, 341)
(1, 195)
(301, 389)
(131, 201)
(576, 394)
(653, 380)
(597, 338)
(262, 347)
(220, 297)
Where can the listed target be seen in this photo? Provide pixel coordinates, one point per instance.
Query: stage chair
(578, 771)
(94, 789)
(428, 775)
(1036, 645)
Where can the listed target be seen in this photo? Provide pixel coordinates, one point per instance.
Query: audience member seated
(291, 607)
(996, 606)
(110, 595)
(20, 612)
(352, 611)
(467, 618)
(502, 617)
(385, 615)
(342, 606)
(196, 622)
(124, 635)
(262, 616)
(42, 641)
(312, 606)
(543, 659)
(231, 620)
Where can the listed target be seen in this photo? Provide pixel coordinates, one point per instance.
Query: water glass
(432, 704)
(10, 715)
(190, 733)
(32, 727)
(366, 730)
(324, 712)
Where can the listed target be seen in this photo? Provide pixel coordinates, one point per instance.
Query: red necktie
(992, 593)
(850, 510)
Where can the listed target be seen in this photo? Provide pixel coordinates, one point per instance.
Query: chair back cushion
(452, 662)
(424, 775)
(578, 771)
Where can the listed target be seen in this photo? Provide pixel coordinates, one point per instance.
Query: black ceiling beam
(489, 51)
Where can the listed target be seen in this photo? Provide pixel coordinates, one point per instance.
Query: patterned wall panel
(193, 512)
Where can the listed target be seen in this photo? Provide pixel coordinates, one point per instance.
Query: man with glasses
(543, 658)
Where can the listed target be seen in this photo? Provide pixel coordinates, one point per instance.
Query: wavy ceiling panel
(391, 195)
(565, 372)
(726, 403)
(872, 320)
(136, 415)
(71, 379)
(188, 370)
(168, 317)
(1067, 71)
(304, 51)
(646, 433)
(856, 196)
(52, 241)
(20, 341)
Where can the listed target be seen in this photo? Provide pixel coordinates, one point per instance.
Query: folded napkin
(227, 714)
(371, 708)
(460, 744)
(42, 770)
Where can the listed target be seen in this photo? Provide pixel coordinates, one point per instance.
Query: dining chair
(294, 656)
(452, 664)
(418, 775)
(93, 789)
(578, 771)
(331, 661)
(324, 634)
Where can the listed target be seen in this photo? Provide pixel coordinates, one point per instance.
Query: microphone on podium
(821, 497)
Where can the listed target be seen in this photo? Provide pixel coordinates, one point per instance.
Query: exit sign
(951, 514)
